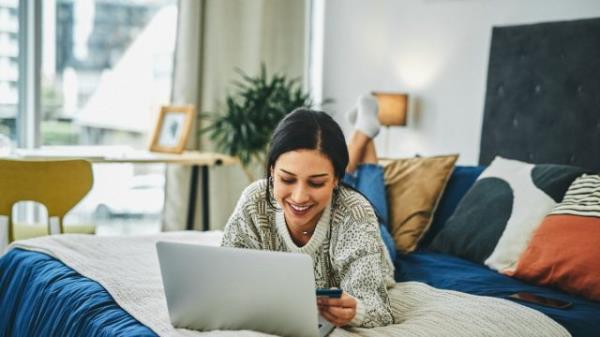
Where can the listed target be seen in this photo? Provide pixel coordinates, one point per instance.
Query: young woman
(303, 207)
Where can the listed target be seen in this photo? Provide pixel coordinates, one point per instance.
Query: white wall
(435, 50)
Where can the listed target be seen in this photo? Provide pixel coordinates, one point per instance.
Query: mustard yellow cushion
(414, 188)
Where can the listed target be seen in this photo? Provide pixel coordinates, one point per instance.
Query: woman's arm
(240, 230)
(363, 273)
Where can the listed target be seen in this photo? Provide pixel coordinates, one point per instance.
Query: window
(106, 68)
(9, 68)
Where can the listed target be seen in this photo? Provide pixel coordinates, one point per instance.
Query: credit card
(329, 292)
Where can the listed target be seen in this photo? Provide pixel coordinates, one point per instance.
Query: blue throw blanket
(57, 301)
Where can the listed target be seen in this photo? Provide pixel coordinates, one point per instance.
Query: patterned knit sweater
(346, 247)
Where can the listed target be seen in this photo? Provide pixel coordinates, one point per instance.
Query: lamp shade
(392, 108)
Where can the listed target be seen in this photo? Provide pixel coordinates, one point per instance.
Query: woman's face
(303, 183)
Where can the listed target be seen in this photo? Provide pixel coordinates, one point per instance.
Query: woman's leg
(366, 175)
(369, 181)
(371, 184)
(366, 123)
(356, 150)
(370, 153)
(363, 173)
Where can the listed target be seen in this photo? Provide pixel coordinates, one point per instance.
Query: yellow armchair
(58, 184)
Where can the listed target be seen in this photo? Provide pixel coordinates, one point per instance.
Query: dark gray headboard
(542, 102)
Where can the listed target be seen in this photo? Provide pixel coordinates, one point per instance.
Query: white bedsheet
(127, 267)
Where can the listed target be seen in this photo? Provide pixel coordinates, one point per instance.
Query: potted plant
(251, 113)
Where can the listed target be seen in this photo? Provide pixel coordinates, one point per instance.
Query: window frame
(28, 117)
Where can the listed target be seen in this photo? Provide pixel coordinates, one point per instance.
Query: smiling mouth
(299, 210)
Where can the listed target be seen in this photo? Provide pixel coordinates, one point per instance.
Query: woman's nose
(300, 194)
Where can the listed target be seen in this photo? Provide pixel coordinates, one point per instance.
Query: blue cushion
(461, 180)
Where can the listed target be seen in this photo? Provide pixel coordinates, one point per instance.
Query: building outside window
(106, 67)
(9, 67)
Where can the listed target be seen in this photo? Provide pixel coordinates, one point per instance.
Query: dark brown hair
(311, 130)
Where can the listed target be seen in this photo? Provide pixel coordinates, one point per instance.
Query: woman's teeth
(299, 208)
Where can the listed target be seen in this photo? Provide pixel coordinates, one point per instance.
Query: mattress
(449, 272)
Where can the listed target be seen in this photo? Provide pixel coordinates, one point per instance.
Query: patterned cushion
(462, 178)
(564, 252)
(414, 187)
(496, 218)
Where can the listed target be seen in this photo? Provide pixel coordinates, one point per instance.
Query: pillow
(461, 180)
(564, 251)
(496, 218)
(414, 187)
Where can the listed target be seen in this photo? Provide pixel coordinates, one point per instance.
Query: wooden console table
(125, 154)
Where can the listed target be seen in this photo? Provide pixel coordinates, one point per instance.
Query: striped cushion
(582, 198)
(564, 251)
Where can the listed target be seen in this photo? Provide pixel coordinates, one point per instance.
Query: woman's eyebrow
(311, 176)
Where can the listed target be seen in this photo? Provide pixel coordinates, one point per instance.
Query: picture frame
(172, 128)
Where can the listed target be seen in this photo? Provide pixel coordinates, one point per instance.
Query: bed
(541, 106)
(42, 294)
(449, 272)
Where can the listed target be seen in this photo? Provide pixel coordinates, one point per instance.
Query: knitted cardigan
(346, 246)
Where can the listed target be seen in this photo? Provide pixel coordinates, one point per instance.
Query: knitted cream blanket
(127, 267)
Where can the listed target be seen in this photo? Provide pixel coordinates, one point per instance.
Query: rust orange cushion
(564, 252)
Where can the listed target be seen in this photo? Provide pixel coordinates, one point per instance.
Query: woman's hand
(338, 311)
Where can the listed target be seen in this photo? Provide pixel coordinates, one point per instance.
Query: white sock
(367, 120)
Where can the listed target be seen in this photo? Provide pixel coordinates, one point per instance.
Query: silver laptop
(218, 288)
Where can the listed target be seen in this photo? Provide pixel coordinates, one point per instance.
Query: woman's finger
(348, 301)
(338, 316)
(345, 301)
(342, 313)
(331, 318)
(338, 311)
(330, 301)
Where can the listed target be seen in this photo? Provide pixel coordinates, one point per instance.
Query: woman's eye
(287, 181)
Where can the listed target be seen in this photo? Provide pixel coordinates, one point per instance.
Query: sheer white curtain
(214, 38)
